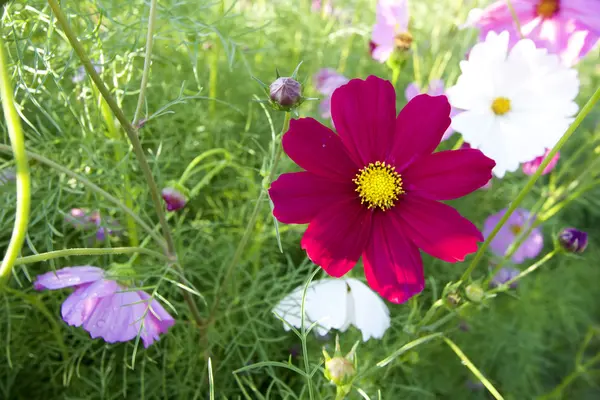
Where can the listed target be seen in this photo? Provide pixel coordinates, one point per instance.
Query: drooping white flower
(336, 304)
(517, 102)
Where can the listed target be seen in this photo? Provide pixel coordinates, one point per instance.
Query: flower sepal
(341, 370)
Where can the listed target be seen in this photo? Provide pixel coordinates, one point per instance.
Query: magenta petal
(393, 265)
(82, 303)
(437, 228)
(336, 238)
(317, 149)
(299, 196)
(157, 320)
(449, 174)
(364, 116)
(68, 276)
(419, 129)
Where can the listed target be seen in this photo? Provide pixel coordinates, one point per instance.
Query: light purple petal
(82, 303)
(113, 318)
(436, 87)
(68, 276)
(412, 91)
(394, 13)
(157, 320)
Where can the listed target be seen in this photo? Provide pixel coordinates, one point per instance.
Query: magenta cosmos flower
(390, 31)
(374, 188)
(569, 28)
(516, 226)
(435, 88)
(106, 308)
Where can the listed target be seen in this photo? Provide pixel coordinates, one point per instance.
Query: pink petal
(448, 174)
(157, 320)
(336, 238)
(317, 149)
(394, 13)
(299, 196)
(113, 319)
(412, 91)
(437, 228)
(436, 87)
(530, 167)
(82, 303)
(68, 276)
(364, 115)
(419, 128)
(393, 265)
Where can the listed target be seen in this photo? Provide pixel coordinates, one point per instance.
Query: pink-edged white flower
(435, 88)
(106, 308)
(326, 81)
(531, 167)
(336, 304)
(569, 28)
(391, 29)
(517, 103)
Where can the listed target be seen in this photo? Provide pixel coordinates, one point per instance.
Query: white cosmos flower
(336, 304)
(517, 102)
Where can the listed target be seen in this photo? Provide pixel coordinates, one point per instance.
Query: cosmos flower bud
(475, 293)
(174, 198)
(573, 240)
(339, 369)
(286, 92)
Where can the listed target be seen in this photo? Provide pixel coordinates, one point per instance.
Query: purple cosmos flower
(390, 31)
(81, 74)
(436, 88)
(573, 240)
(530, 167)
(516, 225)
(174, 198)
(569, 28)
(105, 308)
(505, 275)
(90, 220)
(7, 175)
(326, 81)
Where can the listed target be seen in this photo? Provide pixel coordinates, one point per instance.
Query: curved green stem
(86, 252)
(93, 187)
(129, 129)
(521, 196)
(147, 61)
(515, 18)
(17, 140)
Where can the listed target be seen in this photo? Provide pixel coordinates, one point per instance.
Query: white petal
(371, 316)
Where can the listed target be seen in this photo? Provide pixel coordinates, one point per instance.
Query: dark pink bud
(573, 240)
(286, 92)
(174, 198)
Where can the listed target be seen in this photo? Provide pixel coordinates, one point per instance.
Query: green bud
(475, 292)
(341, 370)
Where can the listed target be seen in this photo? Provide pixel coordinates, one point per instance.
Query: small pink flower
(569, 28)
(174, 199)
(106, 308)
(326, 81)
(391, 29)
(436, 88)
(530, 167)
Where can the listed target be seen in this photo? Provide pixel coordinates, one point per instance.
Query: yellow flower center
(516, 229)
(378, 185)
(501, 106)
(403, 40)
(547, 8)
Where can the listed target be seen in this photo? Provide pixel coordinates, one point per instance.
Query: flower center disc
(516, 229)
(378, 185)
(501, 106)
(403, 40)
(547, 8)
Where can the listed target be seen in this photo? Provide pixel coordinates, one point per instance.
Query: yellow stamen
(516, 229)
(547, 8)
(403, 40)
(378, 185)
(501, 106)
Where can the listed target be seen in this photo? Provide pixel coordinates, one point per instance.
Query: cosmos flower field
(300, 199)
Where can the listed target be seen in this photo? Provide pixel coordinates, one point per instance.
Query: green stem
(515, 18)
(129, 129)
(147, 61)
(587, 108)
(86, 252)
(93, 187)
(17, 140)
(579, 370)
(524, 273)
(253, 217)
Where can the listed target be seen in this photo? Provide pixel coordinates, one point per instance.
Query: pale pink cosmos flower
(105, 308)
(530, 167)
(435, 88)
(390, 30)
(326, 81)
(569, 28)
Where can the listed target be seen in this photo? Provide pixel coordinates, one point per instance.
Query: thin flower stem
(94, 188)
(253, 217)
(579, 370)
(147, 62)
(587, 108)
(129, 129)
(23, 180)
(524, 273)
(515, 18)
(86, 252)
